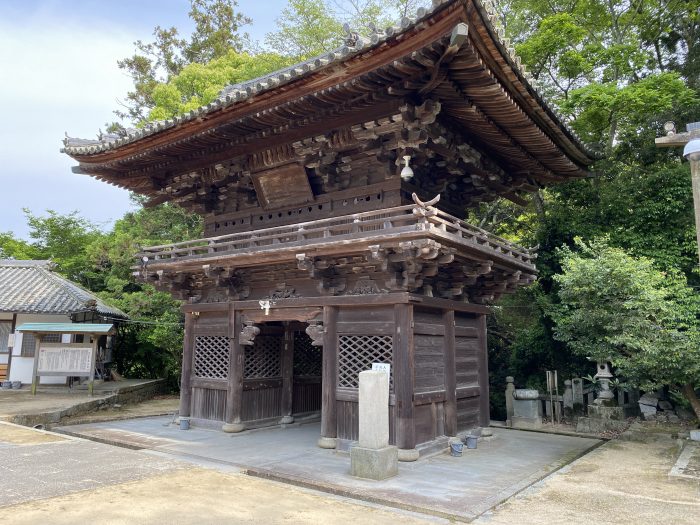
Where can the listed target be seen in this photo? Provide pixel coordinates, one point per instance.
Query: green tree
(63, 239)
(199, 84)
(13, 248)
(621, 309)
(217, 25)
(305, 28)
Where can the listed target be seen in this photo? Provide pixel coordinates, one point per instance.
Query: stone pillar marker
(373, 457)
(510, 390)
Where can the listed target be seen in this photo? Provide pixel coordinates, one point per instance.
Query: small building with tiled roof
(31, 292)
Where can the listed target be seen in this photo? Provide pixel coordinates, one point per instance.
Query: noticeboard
(68, 360)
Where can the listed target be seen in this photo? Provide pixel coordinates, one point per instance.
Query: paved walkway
(61, 480)
(53, 403)
(441, 485)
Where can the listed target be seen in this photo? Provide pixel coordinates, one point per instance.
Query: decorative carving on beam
(477, 269)
(248, 333)
(283, 292)
(315, 331)
(425, 209)
(365, 286)
(439, 73)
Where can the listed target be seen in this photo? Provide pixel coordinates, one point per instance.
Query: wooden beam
(234, 391)
(448, 318)
(287, 366)
(404, 376)
(483, 358)
(187, 357)
(329, 379)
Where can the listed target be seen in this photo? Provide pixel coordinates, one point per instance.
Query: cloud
(60, 74)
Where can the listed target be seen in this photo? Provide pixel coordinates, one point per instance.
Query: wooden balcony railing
(360, 226)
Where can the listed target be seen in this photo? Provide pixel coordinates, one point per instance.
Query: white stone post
(373, 457)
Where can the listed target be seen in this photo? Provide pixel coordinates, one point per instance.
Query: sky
(59, 74)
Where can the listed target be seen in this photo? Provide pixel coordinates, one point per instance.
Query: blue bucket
(456, 449)
(471, 442)
(184, 423)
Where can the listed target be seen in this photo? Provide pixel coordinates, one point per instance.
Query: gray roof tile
(354, 44)
(32, 287)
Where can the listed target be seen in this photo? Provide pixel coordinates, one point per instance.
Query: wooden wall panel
(262, 404)
(208, 403)
(366, 320)
(426, 424)
(429, 362)
(348, 420)
(211, 323)
(306, 397)
(467, 413)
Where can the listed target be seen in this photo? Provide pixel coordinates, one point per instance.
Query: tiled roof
(354, 44)
(32, 287)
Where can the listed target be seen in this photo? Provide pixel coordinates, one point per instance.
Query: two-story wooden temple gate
(438, 384)
(333, 194)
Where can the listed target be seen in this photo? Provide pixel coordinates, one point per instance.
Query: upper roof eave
(90, 151)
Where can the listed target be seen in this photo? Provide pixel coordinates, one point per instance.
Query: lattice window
(356, 353)
(211, 356)
(307, 358)
(263, 358)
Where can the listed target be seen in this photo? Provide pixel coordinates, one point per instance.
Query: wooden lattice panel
(356, 353)
(263, 358)
(307, 358)
(211, 356)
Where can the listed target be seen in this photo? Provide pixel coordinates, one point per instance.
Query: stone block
(650, 398)
(647, 410)
(605, 412)
(527, 423)
(665, 405)
(527, 413)
(373, 410)
(695, 435)
(376, 464)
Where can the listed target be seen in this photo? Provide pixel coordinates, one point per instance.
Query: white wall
(21, 368)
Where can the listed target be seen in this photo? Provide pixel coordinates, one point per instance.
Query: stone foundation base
(377, 464)
(408, 454)
(233, 428)
(326, 442)
(602, 419)
(528, 423)
(287, 420)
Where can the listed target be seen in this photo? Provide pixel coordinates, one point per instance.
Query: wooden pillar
(483, 358)
(234, 389)
(329, 425)
(450, 374)
(404, 380)
(287, 375)
(35, 378)
(186, 375)
(93, 359)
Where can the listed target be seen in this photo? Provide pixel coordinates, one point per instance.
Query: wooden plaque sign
(66, 360)
(282, 186)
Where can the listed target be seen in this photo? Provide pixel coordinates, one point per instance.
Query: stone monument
(373, 457)
(527, 411)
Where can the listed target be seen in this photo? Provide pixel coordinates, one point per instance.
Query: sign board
(65, 360)
(11, 341)
(382, 367)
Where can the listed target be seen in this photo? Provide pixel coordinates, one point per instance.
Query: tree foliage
(618, 308)
(217, 25)
(199, 84)
(305, 28)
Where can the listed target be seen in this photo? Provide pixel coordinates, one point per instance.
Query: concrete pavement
(440, 485)
(62, 480)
